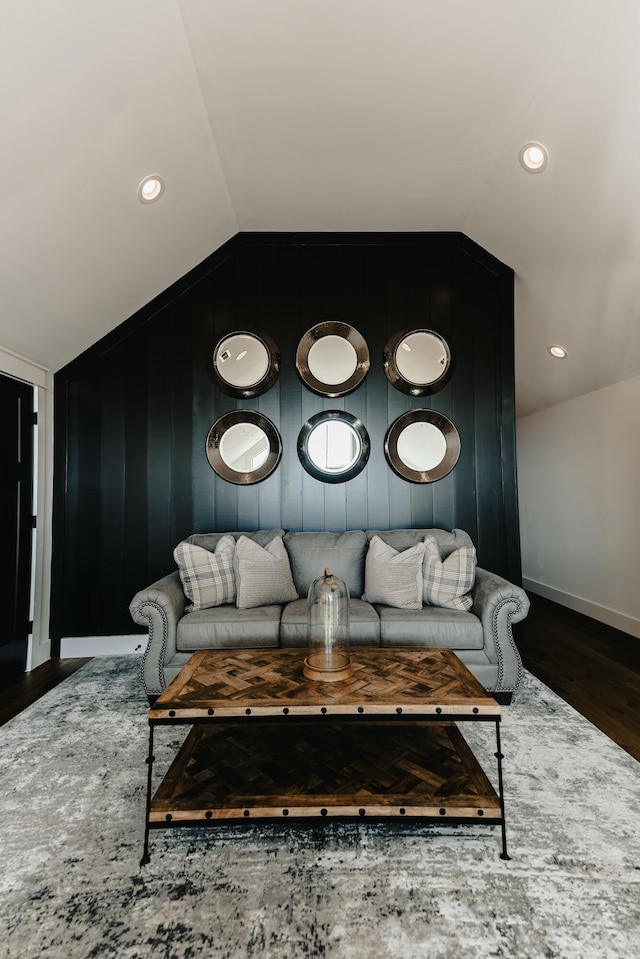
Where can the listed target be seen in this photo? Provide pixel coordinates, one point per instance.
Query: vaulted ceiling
(340, 115)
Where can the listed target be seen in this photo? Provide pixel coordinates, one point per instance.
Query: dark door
(16, 479)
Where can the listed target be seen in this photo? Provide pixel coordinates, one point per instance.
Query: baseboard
(74, 647)
(627, 624)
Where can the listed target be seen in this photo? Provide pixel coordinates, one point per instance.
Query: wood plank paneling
(133, 412)
(159, 479)
(112, 486)
(81, 595)
(135, 558)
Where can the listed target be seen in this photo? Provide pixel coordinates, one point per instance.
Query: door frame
(41, 379)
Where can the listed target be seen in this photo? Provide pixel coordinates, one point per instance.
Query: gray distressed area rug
(72, 798)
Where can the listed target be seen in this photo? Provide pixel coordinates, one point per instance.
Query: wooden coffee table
(267, 743)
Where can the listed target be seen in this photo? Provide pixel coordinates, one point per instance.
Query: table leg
(149, 761)
(500, 757)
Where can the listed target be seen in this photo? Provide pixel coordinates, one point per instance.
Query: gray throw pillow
(263, 574)
(207, 577)
(393, 578)
(448, 582)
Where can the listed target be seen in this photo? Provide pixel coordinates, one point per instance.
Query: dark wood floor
(20, 694)
(593, 667)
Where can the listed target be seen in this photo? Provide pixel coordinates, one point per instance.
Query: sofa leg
(502, 696)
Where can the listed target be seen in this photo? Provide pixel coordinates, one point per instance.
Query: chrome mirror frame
(327, 416)
(260, 386)
(396, 378)
(214, 439)
(351, 336)
(451, 438)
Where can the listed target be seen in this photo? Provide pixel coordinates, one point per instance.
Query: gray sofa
(481, 637)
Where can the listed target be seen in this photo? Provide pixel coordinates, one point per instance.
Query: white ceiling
(333, 115)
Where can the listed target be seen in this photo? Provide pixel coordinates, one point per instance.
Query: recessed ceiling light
(534, 157)
(558, 351)
(151, 188)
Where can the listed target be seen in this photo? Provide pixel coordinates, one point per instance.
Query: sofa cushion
(405, 538)
(392, 577)
(207, 578)
(364, 624)
(226, 627)
(429, 626)
(448, 582)
(263, 574)
(209, 540)
(342, 553)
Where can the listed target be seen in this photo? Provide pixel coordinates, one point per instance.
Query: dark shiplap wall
(132, 413)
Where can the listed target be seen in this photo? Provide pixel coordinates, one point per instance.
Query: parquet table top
(270, 682)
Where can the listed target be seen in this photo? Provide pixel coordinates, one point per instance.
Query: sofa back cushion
(402, 539)
(343, 553)
(210, 540)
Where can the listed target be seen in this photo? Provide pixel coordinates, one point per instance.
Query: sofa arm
(498, 604)
(158, 607)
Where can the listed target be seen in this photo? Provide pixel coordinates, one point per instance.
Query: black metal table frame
(437, 715)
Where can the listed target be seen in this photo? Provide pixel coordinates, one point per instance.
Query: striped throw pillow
(448, 582)
(207, 578)
(263, 574)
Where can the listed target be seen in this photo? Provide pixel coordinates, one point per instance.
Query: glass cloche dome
(328, 657)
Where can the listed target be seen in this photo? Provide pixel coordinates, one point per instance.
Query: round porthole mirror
(333, 446)
(332, 358)
(417, 362)
(243, 447)
(245, 363)
(422, 446)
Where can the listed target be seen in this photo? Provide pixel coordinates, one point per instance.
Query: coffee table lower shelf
(362, 769)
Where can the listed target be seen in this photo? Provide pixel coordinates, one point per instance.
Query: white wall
(42, 381)
(579, 492)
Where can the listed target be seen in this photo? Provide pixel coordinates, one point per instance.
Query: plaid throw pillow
(207, 578)
(447, 582)
(392, 577)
